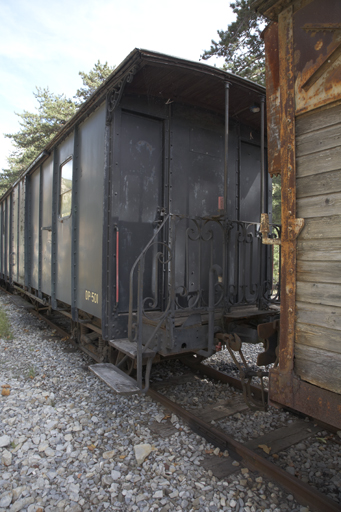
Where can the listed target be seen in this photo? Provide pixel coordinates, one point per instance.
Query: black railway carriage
(139, 220)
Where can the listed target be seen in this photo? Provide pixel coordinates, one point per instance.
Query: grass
(31, 373)
(5, 328)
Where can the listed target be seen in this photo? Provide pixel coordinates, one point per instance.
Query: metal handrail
(139, 263)
(131, 276)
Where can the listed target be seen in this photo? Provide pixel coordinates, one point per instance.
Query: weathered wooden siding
(318, 300)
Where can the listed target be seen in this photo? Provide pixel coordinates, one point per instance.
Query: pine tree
(241, 44)
(93, 80)
(38, 128)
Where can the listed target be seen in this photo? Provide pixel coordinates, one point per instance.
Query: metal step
(130, 348)
(115, 378)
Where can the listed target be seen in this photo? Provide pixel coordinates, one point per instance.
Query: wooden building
(303, 74)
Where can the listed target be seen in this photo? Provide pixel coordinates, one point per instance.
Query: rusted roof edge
(270, 8)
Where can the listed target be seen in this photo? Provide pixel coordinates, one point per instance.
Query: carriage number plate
(91, 296)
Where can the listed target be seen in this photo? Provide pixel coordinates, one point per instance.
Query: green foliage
(31, 373)
(38, 128)
(241, 44)
(5, 328)
(93, 80)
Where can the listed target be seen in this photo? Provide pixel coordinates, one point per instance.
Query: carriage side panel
(91, 136)
(21, 236)
(34, 227)
(64, 224)
(15, 232)
(46, 225)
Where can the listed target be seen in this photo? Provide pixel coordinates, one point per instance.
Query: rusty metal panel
(309, 42)
(309, 399)
(273, 106)
(287, 133)
(272, 8)
(317, 54)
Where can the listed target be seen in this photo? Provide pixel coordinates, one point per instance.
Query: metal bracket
(233, 343)
(264, 229)
(295, 227)
(115, 95)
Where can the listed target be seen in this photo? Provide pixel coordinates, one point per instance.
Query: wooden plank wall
(318, 301)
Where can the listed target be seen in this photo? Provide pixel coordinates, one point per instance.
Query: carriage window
(65, 189)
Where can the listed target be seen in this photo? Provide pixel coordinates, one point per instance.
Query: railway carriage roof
(173, 80)
(271, 8)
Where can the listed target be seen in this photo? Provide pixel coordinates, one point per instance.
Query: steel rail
(222, 377)
(305, 494)
(54, 326)
(65, 334)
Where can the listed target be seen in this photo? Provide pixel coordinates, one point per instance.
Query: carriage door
(140, 202)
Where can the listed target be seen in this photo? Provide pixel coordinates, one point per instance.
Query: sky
(46, 43)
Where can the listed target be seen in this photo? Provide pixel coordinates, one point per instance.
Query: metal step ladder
(115, 378)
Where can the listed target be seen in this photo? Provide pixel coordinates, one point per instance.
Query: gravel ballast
(67, 443)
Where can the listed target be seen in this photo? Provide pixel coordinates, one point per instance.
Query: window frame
(60, 193)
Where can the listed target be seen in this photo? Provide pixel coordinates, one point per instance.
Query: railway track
(304, 493)
(246, 454)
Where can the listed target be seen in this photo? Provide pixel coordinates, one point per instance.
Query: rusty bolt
(291, 290)
(291, 271)
(290, 310)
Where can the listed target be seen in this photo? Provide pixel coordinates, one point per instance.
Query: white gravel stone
(142, 451)
(115, 475)
(5, 441)
(6, 458)
(42, 447)
(63, 461)
(5, 499)
(20, 504)
(109, 455)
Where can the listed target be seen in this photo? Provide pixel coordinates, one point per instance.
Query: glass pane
(65, 204)
(66, 177)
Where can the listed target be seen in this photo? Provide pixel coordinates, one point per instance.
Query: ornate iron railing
(182, 267)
